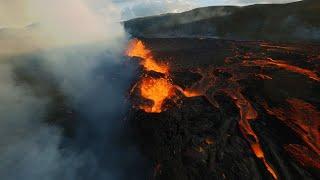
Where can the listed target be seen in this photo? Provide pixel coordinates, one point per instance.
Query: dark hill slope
(285, 22)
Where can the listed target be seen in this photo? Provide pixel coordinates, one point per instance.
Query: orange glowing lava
(157, 90)
(138, 49)
(282, 65)
(303, 155)
(276, 47)
(190, 93)
(248, 113)
(301, 117)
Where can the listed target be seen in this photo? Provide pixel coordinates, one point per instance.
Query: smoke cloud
(29, 25)
(58, 54)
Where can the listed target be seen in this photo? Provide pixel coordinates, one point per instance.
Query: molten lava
(154, 89)
(282, 65)
(303, 155)
(157, 90)
(190, 93)
(248, 113)
(300, 116)
(138, 49)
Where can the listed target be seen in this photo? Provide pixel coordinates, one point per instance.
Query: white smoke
(28, 25)
(77, 44)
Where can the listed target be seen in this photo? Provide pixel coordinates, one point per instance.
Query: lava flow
(282, 65)
(138, 49)
(304, 120)
(248, 113)
(152, 88)
(226, 79)
(157, 90)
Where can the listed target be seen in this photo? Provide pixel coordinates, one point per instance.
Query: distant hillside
(285, 22)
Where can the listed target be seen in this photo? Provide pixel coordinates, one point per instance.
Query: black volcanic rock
(193, 139)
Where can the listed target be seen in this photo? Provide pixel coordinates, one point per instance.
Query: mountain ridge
(296, 21)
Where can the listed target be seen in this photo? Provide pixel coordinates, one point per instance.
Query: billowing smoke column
(62, 93)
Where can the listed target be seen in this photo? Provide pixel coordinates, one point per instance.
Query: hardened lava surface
(222, 109)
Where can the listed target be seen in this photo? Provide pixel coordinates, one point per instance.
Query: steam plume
(65, 54)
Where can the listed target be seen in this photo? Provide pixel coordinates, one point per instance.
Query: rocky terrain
(224, 109)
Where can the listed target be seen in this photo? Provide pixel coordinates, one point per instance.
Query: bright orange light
(138, 49)
(157, 90)
(190, 93)
(283, 65)
(248, 113)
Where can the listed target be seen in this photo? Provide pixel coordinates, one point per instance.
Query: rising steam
(64, 55)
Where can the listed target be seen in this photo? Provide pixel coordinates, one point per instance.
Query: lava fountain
(154, 88)
(138, 49)
(151, 88)
(157, 90)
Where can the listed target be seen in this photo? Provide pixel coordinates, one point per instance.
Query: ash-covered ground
(254, 112)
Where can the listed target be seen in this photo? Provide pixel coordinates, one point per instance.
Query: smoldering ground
(63, 83)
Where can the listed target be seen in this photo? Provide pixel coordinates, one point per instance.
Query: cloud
(139, 8)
